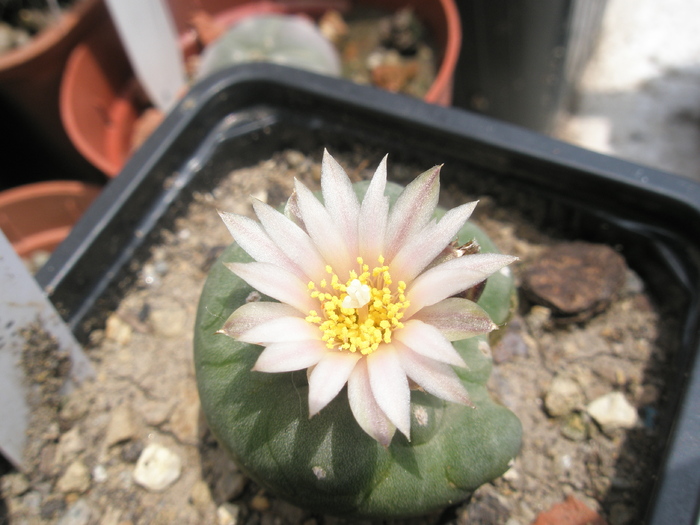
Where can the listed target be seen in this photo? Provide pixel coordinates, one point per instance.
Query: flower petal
(291, 239)
(451, 277)
(422, 248)
(456, 318)
(328, 377)
(253, 314)
(280, 330)
(374, 213)
(290, 355)
(323, 230)
(435, 378)
(275, 282)
(427, 340)
(252, 238)
(412, 210)
(340, 199)
(390, 387)
(365, 408)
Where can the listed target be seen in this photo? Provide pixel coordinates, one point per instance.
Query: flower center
(362, 313)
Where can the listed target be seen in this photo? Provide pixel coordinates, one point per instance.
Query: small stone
(157, 468)
(576, 279)
(47, 460)
(613, 411)
(79, 513)
(201, 496)
(121, 425)
(564, 396)
(14, 484)
(229, 486)
(538, 320)
(52, 506)
(75, 406)
(572, 511)
(512, 345)
(260, 502)
(99, 474)
(155, 413)
(76, 478)
(575, 427)
(117, 330)
(227, 514)
(69, 446)
(184, 422)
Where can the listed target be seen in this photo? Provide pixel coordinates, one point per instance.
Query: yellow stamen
(362, 313)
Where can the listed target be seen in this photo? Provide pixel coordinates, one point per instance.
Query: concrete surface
(639, 98)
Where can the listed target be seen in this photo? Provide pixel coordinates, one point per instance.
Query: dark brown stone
(576, 280)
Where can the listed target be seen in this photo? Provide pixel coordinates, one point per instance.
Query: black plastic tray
(245, 114)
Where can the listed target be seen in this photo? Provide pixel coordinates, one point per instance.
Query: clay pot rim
(48, 238)
(47, 38)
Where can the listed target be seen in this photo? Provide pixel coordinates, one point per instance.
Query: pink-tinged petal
(328, 377)
(435, 378)
(364, 407)
(412, 210)
(290, 356)
(291, 239)
(340, 199)
(292, 212)
(324, 232)
(374, 214)
(422, 248)
(427, 340)
(253, 314)
(280, 330)
(456, 318)
(452, 277)
(252, 238)
(390, 387)
(277, 283)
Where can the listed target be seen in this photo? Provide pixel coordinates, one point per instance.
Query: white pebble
(157, 468)
(613, 411)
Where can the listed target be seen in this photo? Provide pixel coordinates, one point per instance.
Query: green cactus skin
(281, 39)
(328, 464)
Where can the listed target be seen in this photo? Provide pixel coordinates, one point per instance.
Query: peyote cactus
(288, 40)
(366, 290)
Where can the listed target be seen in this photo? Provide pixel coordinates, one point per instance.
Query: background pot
(30, 77)
(39, 216)
(100, 99)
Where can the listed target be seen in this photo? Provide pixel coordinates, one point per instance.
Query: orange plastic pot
(39, 216)
(30, 75)
(99, 98)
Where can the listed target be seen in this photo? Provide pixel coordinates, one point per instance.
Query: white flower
(366, 294)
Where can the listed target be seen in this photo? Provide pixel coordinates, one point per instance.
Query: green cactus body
(327, 463)
(288, 40)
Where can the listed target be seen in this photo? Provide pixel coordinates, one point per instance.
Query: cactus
(281, 39)
(346, 459)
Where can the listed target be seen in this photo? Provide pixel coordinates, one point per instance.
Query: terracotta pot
(39, 216)
(100, 99)
(30, 75)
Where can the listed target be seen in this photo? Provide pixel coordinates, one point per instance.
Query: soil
(85, 451)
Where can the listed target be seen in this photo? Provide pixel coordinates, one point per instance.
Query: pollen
(361, 312)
